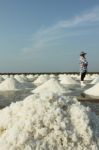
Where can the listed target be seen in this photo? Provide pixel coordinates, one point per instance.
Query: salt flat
(50, 118)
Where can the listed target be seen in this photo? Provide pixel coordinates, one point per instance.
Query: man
(83, 67)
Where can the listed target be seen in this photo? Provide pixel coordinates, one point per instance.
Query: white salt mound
(88, 77)
(41, 79)
(67, 80)
(20, 78)
(75, 76)
(50, 86)
(94, 90)
(24, 77)
(10, 84)
(93, 76)
(95, 81)
(52, 76)
(11, 75)
(31, 77)
(24, 81)
(55, 123)
(5, 76)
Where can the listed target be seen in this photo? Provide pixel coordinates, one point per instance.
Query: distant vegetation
(56, 73)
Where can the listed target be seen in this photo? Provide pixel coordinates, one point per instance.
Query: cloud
(87, 17)
(45, 37)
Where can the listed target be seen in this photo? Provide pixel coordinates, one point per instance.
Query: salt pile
(50, 86)
(67, 80)
(5, 76)
(10, 84)
(52, 76)
(31, 77)
(24, 77)
(94, 90)
(41, 79)
(95, 81)
(11, 76)
(75, 76)
(54, 123)
(24, 81)
(20, 78)
(88, 77)
(93, 76)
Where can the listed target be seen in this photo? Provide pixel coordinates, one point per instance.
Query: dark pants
(83, 75)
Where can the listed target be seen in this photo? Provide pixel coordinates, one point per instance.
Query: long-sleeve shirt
(83, 64)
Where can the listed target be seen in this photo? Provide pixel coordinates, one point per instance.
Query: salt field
(49, 112)
(49, 75)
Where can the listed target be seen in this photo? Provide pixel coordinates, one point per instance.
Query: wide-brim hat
(83, 53)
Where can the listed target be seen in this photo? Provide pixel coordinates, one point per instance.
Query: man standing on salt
(83, 67)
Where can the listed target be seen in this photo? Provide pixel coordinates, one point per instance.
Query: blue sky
(48, 35)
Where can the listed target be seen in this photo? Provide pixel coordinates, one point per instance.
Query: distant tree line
(39, 73)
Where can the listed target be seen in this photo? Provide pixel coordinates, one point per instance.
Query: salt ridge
(10, 84)
(94, 90)
(41, 79)
(55, 123)
(50, 86)
(67, 80)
